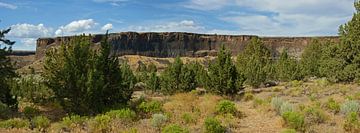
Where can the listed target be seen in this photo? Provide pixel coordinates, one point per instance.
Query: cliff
(172, 44)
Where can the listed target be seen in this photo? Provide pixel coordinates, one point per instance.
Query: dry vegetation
(255, 112)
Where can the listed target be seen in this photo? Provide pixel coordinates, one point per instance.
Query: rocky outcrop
(172, 44)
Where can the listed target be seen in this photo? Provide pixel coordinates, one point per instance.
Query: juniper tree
(287, 68)
(222, 75)
(7, 71)
(255, 62)
(86, 81)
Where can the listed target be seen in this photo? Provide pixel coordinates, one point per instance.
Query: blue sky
(31, 19)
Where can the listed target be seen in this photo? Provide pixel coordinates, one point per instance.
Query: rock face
(172, 44)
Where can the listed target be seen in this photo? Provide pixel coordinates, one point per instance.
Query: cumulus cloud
(182, 26)
(28, 41)
(30, 31)
(7, 5)
(279, 17)
(107, 27)
(76, 27)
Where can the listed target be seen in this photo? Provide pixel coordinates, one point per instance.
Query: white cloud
(279, 17)
(7, 5)
(112, 2)
(207, 4)
(30, 31)
(107, 27)
(28, 41)
(182, 26)
(76, 27)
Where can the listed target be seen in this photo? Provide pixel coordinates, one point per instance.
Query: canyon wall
(172, 44)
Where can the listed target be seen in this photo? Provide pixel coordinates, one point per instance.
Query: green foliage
(30, 112)
(124, 114)
(294, 120)
(158, 120)
(310, 57)
(314, 115)
(255, 63)
(286, 107)
(4, 111)
(287, 68)
(248, 96)
(289, 131)
(31, 88)
(100, 123)
(223, 78)
(173, 128)
(72, 120)
(86, 81)
(7, 71)
(213, 125)
(178, 77)
(349, 106)
(188, 118)
(276, 103)
(333, 105)
(225, 107)
(15, 123)
(150, 107)
(153, 82)
(41, 122)
(352, 123)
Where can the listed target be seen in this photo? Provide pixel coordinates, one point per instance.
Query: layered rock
(172, 44)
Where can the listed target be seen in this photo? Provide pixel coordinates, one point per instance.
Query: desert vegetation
(86, 89)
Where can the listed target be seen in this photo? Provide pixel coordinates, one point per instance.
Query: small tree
(86, 81)
(309, 62)
(222, 75)
(178, 77)
(255, 62)
(6, 70)
(287, 68)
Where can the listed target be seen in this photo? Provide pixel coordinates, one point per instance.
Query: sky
(33, 19)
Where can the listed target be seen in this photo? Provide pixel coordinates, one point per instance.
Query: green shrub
(125, 114)
(296, 83)
(100, 123)
(15, 123)
(322, 82)
(30, 111)
(314, 116)
(349, 106)
(276, 103)
(226, 106)
(4, 110)
(286, 107)
(188, 118)
(333, 105)
(352, 123)
(150, 107)
(72, 120)
(173, 128)
(213, 125)
(41, 122)
(248, 96)
(288, 131)
(294, 120)
(158, 120)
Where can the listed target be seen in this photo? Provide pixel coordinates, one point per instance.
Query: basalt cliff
(172, 44)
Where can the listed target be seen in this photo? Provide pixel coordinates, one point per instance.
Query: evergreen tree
(287, 68)
(177, 77)
(7, 71)
(153, 82)
(222, 75)
(86, 81)
(255, 63)
(309, 62)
